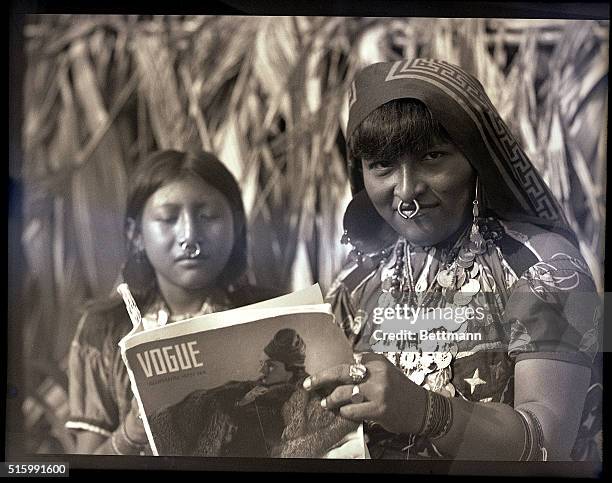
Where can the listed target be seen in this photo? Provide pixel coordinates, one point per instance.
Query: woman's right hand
(131, 427)
(134, 426)
(391, 399)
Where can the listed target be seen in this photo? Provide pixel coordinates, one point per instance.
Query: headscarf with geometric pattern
(459, 103)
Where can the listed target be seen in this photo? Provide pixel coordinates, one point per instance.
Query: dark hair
(298, 373)
(394, 129)
(289, 348)
(158, 170)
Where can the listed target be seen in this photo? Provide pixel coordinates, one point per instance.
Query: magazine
(230, 383)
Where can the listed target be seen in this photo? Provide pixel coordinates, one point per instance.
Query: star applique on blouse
(474, 381)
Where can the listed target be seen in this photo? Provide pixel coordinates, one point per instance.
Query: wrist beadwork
(122, 444)
(533, 449)
(438, 416)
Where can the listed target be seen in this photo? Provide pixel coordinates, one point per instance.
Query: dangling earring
(477, 242)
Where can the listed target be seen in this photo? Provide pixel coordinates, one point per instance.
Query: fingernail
(324, 403)
(307, 383)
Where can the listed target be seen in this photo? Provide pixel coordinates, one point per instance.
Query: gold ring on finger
(356, 395)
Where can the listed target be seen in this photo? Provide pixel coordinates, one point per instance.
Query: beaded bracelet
(119, 444)
(122, 444)
(438, 416)
(528, 444)
(534, 449)
(134, 444)
(427, 415)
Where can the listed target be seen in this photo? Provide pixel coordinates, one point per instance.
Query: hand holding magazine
(230, 383)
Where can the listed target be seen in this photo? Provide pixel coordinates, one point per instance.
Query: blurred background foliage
(268, 96)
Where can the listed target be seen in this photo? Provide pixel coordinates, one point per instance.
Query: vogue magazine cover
(231, 383)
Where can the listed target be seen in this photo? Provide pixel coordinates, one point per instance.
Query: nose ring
(192, 250)
(406, 210)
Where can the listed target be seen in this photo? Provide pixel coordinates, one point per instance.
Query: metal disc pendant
(386, 300)
(461, 277)
(471, 287)
(462, 298)
(417, 377)
(445, 278)
(387, 283)
(466, 255)
(408, 359)
(443, 359)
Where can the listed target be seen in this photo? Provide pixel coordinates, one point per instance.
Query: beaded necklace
(456, 282)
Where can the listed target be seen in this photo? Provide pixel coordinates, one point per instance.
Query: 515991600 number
(35, 469)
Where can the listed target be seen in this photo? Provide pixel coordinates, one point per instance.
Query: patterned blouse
(534, 297)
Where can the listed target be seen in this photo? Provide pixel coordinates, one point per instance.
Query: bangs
(397, 127)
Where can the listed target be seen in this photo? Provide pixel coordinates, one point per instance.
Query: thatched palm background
(267, 94)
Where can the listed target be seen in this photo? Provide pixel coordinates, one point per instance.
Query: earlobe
(138, 243)
(134, 235)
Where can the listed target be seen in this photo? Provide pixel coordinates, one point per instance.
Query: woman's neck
(182, 301)
(451, 241)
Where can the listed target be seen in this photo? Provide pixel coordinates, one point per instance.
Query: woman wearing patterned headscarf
(466, 288)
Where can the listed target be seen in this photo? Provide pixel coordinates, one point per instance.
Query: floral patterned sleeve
(554, 312)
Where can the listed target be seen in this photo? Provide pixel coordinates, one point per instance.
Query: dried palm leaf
(235, 38)
(37, 242)
(99, 188)
(158, 82)
(442, 45)
(335, 196)
(193, 94)
(56, 181)
(301, 272)
(79, 30)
